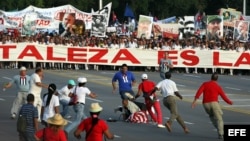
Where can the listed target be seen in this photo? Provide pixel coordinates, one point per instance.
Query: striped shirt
(22, 82)
(30, 112)
(163, 65)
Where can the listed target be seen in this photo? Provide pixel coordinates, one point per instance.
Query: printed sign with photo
(99, 26)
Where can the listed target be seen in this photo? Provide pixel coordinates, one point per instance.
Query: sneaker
(186, 130)
(13, 116)
(160, 126)
(168, 126)
(118, 109)
(220, 137)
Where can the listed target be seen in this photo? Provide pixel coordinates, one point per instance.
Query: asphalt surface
(201, 129)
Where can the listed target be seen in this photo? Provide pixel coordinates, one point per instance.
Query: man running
(22, 82)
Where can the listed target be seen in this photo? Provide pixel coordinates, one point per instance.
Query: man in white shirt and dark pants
(64, 97)
(169, 91)
(36, 86)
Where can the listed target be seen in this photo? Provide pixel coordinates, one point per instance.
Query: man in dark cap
(213, 27)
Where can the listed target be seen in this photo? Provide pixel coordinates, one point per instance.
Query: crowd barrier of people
(129, 41)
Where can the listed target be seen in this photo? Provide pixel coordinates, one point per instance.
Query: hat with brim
(95, 108)
(214, 18)
(82, 80)
(57, 119)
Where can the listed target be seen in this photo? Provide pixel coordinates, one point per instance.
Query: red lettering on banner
(189, 57)
(42, 22)
(127, 56)
(6, 50)
(97, 57)
(50, 56)
(216, 60)
(31, 51)
(243, 59)
(172, 55)
(77, 54)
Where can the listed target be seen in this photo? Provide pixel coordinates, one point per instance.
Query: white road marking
(233, 88)
(245, 78)
(190, 75)
(107, 72)
(236, 106)
(116, 136)
(94, 99)
(180, 85)
(2, 99)
(184, 121)
(7, 78)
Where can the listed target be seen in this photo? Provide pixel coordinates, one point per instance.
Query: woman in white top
(81, 91)
(50, 105)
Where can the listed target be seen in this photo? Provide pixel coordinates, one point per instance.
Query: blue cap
(71, 82)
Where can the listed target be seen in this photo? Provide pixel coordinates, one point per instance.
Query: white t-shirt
(81, 93)
(34, 89)
(64, 93)
(167, 87)
(49, 111)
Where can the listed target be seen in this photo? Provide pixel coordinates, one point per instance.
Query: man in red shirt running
(211, 90)
(145, 88)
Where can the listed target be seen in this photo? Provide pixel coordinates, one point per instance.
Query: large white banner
(33, 19)
(133, 57)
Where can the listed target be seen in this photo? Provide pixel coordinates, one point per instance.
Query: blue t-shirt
(125, 80)
(22, 83)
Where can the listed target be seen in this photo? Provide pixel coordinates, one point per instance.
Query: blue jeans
(79, 110)
(162, 75)
(65, 107)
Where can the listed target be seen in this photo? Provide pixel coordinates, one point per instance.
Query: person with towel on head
(64, 98)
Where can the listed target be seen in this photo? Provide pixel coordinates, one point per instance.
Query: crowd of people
(31, 107)
(116, 41)
(35, 107)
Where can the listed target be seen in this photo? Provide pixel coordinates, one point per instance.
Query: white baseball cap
(144, 76)
(82, 80)
(22, 69)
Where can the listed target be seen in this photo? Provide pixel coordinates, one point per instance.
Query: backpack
(21, 123)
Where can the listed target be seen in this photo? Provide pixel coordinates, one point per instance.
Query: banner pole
(100, 4)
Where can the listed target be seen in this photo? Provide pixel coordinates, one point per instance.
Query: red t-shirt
(211, 90)
(147, 86)
(50, 135)
(97, 132)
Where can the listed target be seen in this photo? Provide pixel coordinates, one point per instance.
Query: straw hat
(95, 107)
(57, 119)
